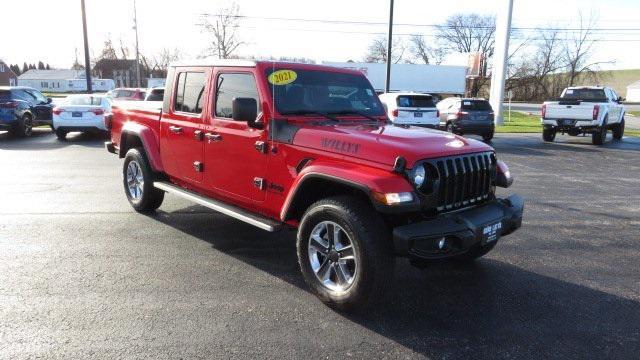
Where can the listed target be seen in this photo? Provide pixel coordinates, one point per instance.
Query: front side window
(230, 86)
(312, 91)
(190, 92)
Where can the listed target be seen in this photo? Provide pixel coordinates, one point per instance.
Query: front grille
(464, 180)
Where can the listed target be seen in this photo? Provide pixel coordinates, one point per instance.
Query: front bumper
(453, 234)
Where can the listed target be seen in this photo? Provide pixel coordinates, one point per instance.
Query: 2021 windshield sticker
(282, 77)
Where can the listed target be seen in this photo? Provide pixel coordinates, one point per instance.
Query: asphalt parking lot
(84, 276)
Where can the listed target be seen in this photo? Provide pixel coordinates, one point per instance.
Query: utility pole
(87, 63)
(387, 83)
(135, 27)
(503, 29)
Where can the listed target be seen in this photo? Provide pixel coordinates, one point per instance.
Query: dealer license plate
(76, 113)
(491, 232)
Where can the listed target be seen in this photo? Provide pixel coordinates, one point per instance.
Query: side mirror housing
(620, 99)
(49, 100)
(245, 109)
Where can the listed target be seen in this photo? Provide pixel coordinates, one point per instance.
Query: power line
(350, 22)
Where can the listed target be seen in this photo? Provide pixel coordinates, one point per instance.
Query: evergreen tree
(25, 68)
(48, 67)
(40, 65)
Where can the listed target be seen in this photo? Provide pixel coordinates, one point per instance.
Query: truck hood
(384, 143)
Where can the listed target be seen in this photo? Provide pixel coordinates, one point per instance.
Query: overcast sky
(51, 31)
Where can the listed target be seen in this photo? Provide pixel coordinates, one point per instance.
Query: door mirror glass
(244, 109)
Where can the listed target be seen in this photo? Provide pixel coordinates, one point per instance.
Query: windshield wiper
(307, 112)
(353, 112)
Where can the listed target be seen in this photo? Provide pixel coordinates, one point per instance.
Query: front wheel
(138, 180)
(449, 127)
(344, 252)
(618, 130)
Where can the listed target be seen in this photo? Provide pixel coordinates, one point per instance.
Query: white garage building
(62, 81)
(633, 92)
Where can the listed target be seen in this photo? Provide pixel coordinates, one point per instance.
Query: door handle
(213, 137)
(175, 129)
(197, 134)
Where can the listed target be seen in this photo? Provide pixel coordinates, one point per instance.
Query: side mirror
(245, 109)
(620, 99)
(49, 100)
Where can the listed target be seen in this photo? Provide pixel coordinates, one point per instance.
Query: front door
(235, 166)
(180, 128)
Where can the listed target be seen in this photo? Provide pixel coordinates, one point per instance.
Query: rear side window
(190, 92)
(479, 105)
(156, 95)
(230, 86)
(415, 101)
(122, 93)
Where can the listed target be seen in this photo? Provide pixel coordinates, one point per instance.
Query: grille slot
(464, 180)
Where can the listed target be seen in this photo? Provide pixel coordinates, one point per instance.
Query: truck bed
(146, 113)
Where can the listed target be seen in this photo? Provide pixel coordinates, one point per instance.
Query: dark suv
(22, 108)
(467, 116)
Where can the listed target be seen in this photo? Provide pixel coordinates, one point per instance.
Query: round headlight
(419, 175)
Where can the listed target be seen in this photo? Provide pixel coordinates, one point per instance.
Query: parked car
(411, 109)
(467, 116)
(283, 145)
(22, 108)
(84, 113)
(128, 94)
(584, 110)
(155, 94)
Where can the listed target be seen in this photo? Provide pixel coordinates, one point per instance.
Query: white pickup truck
(584, 110)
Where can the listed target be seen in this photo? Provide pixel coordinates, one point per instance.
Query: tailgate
(573, 112)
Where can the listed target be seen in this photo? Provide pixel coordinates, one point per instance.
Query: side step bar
(263, 223)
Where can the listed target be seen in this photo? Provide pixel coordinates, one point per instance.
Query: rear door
(180, 127)
(41, 108)
(235, 165)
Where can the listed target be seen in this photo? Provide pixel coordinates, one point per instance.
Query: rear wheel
(548, 134)
(487, 137)
(24, 128)
(138, 180)
(600, 135)
(344, 252)
(450, 127)
(618, 130)
(61, 134)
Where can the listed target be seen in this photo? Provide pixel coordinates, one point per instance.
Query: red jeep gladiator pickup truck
(310, 147)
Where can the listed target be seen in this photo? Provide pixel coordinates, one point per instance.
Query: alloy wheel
(332, 256)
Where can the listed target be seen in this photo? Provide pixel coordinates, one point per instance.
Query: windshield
(596, 95)
(310, 91)
(414, 101)
(84, 100)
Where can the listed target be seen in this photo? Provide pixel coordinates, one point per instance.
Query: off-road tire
(24, 127)
(474, 253)
(600, 135)
(549, 135)
(61, 134)
(618, 130)
(150, 198)
(371, 241)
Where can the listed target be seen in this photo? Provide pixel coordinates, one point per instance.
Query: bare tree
(124, 50)
(578, 49)
(469, 33)
(165, 57)
(377, 51)
(426, 53)
(223, 28)
(108, 51)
